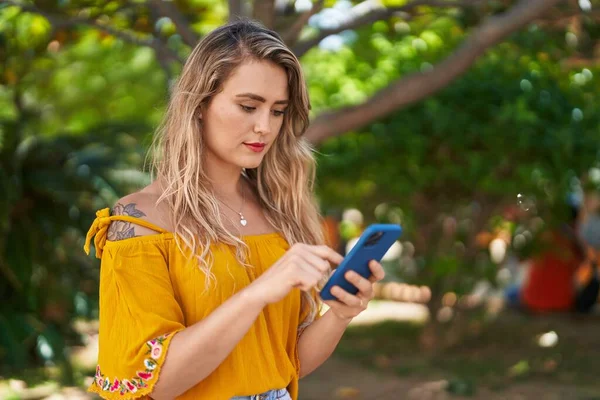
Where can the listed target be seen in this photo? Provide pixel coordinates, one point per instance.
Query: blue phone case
(359, 257)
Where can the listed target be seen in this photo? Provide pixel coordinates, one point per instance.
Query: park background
(473, 123)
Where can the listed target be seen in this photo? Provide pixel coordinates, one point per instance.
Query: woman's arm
(199, 349)
(320, 339)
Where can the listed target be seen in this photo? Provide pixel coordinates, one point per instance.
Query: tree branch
(369, 12)
(580, 62)
(169, 9)
(59, 21)
(291, 36)
(417, 86)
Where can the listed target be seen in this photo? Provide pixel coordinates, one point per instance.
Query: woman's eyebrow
(260, 98)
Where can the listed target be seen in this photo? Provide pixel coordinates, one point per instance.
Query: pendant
(243, 220)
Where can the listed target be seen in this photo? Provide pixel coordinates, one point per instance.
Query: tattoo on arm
(120, 230)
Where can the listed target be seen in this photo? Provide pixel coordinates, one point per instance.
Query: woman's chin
(251, 163)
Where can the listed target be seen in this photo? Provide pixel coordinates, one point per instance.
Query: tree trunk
(264, 11)
(236, 9)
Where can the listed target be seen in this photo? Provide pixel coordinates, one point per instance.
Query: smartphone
(374, 242)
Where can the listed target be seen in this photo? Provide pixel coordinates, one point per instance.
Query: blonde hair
(283, 182)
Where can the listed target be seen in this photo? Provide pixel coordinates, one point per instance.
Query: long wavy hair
(284, 180)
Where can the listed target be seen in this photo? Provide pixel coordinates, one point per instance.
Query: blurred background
(475, 124)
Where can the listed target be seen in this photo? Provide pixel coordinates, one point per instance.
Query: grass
(506, 351)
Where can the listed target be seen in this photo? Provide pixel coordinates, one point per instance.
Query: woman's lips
(256, 147)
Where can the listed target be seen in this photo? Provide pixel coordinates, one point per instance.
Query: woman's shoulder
(133, 220)
(145, 215)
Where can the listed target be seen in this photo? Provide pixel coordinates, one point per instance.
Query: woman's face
(244, 118)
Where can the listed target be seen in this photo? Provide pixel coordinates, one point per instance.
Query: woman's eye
(278, 113)
(247, 109)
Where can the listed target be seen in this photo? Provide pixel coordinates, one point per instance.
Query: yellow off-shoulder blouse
(150, 290)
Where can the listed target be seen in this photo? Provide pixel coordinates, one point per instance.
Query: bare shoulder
(140, 205)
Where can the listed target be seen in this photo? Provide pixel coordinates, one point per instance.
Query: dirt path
(338, 379)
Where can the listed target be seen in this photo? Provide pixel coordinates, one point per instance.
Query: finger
(311, 273)
(364, 286)
(327, 253)
(377, 272)
(306, 276)
(316, 262)
(346, 298)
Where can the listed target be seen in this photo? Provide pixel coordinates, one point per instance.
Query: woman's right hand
(302, 266)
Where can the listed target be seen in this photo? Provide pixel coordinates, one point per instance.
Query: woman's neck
(224, 178)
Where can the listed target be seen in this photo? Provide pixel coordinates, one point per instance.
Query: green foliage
(506, 142)
(378, 55)
(52, 187)
(72, 123)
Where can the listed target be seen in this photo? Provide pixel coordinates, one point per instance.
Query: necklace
(243, 220)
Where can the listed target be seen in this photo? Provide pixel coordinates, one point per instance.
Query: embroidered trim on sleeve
(132, 384)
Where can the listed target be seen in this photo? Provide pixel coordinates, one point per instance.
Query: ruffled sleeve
(139, 316)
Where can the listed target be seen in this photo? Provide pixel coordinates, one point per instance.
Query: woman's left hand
(348, 306)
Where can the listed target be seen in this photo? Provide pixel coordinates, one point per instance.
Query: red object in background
(549, 285)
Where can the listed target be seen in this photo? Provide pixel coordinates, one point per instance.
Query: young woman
(208, 275)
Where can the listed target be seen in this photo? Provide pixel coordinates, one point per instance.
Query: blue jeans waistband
(280, 394)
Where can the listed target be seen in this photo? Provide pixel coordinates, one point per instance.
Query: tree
(476, 173)
(170, 29)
